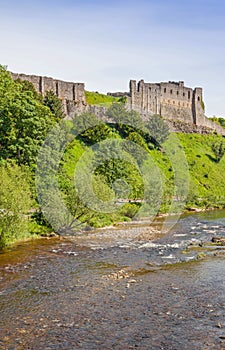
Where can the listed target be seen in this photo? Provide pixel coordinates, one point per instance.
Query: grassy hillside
(95, 98)
(207, 181)
(207, 186)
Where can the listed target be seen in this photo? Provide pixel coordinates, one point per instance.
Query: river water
(130, 287)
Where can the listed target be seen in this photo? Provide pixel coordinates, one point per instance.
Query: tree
(24, 120)
(218, 148)
(136, 147)
(127, 121)
(157, 129)
(221, 121)
(15, 200)
(55, 105)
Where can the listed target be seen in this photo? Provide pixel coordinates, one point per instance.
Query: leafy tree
(158, 129)
(55, 105)
(29, 87)
(127, 121)
(221, 121)
(117, 112)
(24, 120)
(108, 161)
(15, 200)
(84, 122)
(137, 147)
(101, 189)
(90, 129)
(218, 120)
(218, 148)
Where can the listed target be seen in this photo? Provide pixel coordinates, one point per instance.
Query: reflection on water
(123, 288)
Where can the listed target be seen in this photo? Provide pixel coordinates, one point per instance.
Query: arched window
(164, 90)
(198, 98)
(189, 95)
(177, 93)
(171, 91)
(183, 93)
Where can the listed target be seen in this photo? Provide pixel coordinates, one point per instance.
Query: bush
(15, 200)
(218, 149)
(129, 210)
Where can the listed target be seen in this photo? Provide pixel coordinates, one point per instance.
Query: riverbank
(107, 289)
(48, 234)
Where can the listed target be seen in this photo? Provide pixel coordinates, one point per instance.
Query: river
(130, 287)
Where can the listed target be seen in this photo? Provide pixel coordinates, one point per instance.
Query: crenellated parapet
(176, 103)
(172, 100)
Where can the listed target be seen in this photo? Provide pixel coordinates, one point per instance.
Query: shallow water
(116, 289)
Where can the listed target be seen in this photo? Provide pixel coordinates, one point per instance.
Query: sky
(106, 43)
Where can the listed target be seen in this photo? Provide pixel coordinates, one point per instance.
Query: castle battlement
(172, 100)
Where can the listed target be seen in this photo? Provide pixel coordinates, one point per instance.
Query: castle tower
(198, 107)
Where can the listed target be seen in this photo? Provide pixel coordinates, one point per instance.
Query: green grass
(95, 98)
(207, 181)
(207, 176)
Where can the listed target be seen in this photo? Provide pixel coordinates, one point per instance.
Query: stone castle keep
(177, 104)
(171, 100)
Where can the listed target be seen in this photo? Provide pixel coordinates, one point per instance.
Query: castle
(171, 100)
(180, 106)
(71, 94)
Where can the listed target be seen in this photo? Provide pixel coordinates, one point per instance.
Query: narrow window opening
(57, 89)
(74, 92)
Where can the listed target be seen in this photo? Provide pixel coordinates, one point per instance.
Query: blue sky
(107, 43)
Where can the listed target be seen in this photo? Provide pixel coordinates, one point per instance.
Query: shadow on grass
(212, 158)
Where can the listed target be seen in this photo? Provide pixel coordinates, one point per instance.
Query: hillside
(206, 186)
(96, 98)
(133, 165)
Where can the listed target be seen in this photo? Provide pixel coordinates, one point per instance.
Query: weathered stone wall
(71, 94)
(171, 100)
(180, 106)
(188, 128)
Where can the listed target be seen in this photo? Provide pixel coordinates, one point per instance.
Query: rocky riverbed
(129, 287)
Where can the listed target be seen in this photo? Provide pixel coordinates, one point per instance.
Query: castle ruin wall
(171, 100)
(71, 94)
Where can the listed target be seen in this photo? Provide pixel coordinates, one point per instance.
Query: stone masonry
(171, 100)
(71, 94)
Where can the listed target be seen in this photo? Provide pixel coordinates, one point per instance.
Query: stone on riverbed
(219, 240)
